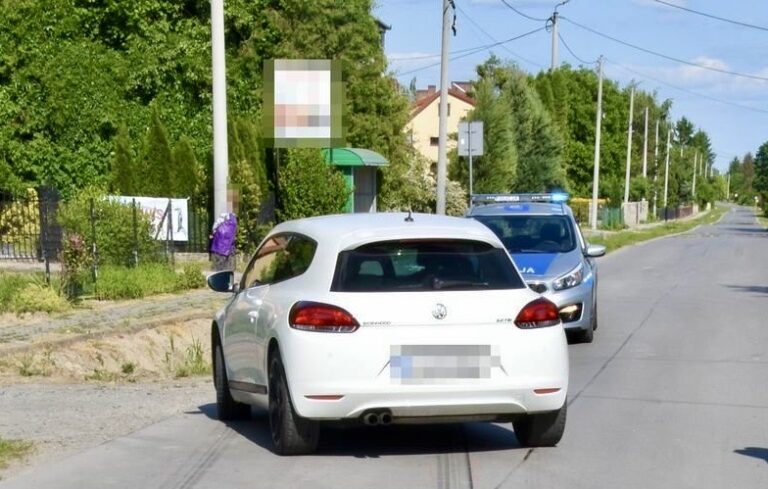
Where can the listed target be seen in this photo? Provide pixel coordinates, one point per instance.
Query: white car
(387, 318)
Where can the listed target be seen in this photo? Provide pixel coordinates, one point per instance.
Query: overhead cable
(665, 56)
(712, 16)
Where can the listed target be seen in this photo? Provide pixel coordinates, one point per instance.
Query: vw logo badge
(439, 311)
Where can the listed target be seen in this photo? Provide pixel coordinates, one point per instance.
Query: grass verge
(12, 449)
(629, 237)
(761, 219)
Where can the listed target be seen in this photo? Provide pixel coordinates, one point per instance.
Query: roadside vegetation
(12, 450)
(22, 293)
(616, 240)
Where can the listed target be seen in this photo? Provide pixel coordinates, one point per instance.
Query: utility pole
(553, 66)
(220, 150)
(695, 168)
(728, 188)
(645, 145)
(443, 134)
(666, 171)
(555, 37)
(655, 167)
(629, 143)
(598, 124)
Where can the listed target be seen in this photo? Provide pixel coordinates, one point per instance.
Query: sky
(733, 130)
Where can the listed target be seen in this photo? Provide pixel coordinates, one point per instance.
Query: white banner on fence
(156, 208)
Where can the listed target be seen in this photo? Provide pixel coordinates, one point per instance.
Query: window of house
(434, 141)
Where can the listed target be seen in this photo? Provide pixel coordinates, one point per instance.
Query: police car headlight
(570, 279)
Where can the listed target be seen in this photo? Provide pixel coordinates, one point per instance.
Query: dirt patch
(161, 353)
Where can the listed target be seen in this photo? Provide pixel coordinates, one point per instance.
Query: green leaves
(309, 186)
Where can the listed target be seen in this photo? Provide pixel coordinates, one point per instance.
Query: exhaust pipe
(385, 418)
(371, 419)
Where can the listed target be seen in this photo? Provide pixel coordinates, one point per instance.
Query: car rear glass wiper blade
(439, 284)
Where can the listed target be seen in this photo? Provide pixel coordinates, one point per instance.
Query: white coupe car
(387, 318)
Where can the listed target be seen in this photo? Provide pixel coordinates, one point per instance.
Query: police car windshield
(532, 234)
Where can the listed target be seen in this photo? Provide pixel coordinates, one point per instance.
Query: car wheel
(291, 434)
(594, 316)
(542, 429)
(226, 407)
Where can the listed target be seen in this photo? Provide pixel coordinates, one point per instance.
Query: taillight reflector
(549, 390)
(326, 397)
(538, 314)
(315, 316)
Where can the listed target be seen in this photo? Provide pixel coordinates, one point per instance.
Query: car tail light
(538, 314)
(314, 316)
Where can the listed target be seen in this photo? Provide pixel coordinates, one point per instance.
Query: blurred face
(233, 200)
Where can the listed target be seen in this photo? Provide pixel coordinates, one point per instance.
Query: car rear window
(425, 265)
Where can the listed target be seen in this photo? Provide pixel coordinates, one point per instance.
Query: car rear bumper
(342, 376)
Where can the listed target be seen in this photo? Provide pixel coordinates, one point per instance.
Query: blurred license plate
(442, 363)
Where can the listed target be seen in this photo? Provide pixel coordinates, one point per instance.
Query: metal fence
(669, 213)
(28, 227)
(29, 230)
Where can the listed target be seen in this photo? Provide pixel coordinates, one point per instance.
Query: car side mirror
(593, 251)
(222, 281)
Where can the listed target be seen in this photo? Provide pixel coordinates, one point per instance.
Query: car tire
(594, 316)
(541, 429)
(227, 408)
(291, 434)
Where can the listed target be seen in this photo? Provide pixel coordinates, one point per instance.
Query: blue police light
(560, 197)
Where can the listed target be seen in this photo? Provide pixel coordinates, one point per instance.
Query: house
(424, 124)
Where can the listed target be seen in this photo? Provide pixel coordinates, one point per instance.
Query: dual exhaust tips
(375, 418)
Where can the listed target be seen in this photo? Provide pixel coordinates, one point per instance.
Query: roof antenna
(409, 217)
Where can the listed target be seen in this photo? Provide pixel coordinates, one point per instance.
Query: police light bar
(503, 198)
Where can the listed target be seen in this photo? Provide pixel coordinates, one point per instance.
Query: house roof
(425, 101)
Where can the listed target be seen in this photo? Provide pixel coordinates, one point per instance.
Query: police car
(546, 244)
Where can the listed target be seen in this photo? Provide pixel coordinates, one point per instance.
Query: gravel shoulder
(72, 381)
(62, 419)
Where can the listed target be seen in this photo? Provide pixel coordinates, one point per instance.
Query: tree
(156, 160)
(186, 173)
(494, 171)
(761, 174)
(124, 171)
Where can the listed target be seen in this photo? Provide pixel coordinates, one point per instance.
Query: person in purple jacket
(223, 242)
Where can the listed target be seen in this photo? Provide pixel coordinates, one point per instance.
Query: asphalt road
(673, 393)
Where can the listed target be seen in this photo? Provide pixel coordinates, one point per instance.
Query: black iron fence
(670, 213)
(30, 230)
(28, 227)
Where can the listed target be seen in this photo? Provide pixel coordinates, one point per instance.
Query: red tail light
(538, 314)
(314, 316)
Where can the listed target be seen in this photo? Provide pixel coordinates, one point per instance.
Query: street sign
(471, 138)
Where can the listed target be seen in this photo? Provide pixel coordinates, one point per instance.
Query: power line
(483, 31)
(698, 94)
(572, 53)
(523, 14)
(482, 48)
(712, 16)
(429, 56)
(665, 56)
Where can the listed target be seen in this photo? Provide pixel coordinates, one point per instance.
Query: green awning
(354, 157)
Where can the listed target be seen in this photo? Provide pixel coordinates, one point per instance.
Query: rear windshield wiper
(439, 284)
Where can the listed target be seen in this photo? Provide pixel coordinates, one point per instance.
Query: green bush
(309, 186)
(38, 298)
(10, 285)
(191, 277)
(117, 282)
(114, 228)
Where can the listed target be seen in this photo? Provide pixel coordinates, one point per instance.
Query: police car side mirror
(593, 251)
